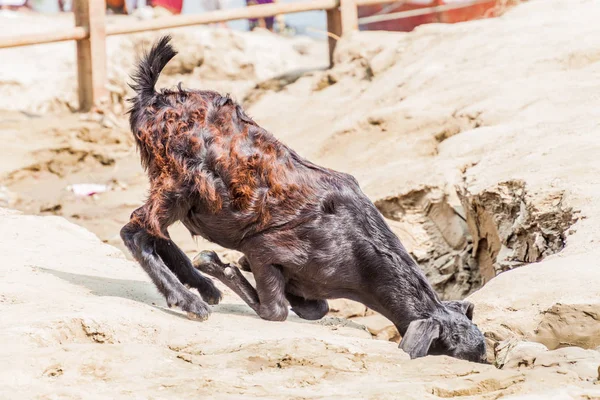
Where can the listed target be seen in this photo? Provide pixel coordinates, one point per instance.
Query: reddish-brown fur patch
(199, 143)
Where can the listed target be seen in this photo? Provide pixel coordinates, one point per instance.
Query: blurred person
(175, 7)
(116, 6)
(266, 23)
(15, 5)
(214, 5)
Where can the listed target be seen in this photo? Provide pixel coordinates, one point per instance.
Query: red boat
(433, 11)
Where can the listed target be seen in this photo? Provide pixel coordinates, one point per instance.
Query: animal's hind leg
(210, 263)
(270, 285)
(308, 309)
(182, 267)
(267, 300)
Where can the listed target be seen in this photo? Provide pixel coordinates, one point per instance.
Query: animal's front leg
(267, 300)
(182, 267)
(142, 245)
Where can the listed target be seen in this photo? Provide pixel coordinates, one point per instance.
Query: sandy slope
(79, 321)
(478, 141)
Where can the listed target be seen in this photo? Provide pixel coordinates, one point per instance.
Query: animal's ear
(464, 306)
(419, 336)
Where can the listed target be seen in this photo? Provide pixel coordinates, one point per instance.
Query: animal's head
(449, 332)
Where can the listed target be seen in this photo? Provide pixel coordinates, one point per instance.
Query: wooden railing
(90, 32)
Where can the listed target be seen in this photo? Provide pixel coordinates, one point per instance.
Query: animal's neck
(406, 295)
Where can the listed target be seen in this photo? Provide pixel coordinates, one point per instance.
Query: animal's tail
(149, 69)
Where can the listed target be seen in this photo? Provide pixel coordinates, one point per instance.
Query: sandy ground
(91, 325)
(479, 142)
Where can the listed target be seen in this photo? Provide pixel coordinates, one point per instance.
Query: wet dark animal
(307, 233)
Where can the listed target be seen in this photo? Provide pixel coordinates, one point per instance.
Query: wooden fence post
(279, 19)
(349, 10)
(91, 52)
(341, 21)
(334, 27)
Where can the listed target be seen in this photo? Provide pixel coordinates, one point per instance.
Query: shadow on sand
(139, 291)
(145, 293)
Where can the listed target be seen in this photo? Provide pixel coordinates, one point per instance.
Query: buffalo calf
(307, 233)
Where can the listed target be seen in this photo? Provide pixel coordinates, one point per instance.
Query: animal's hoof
(196, 310)
(206, 257)
(195, 307)
(213, 300)
(209, 263)
(212, 296)
(196, 317)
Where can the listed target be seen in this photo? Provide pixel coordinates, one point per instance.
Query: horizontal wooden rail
(372, 2)
(413, 13)
(90, 31)
(257, 11)
(75, 33)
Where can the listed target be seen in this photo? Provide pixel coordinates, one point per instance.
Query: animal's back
(200, 147)
(208, 159)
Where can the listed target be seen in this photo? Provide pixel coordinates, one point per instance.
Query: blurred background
(306, 23)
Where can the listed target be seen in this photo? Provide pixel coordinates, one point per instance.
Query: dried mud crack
(462, 246)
